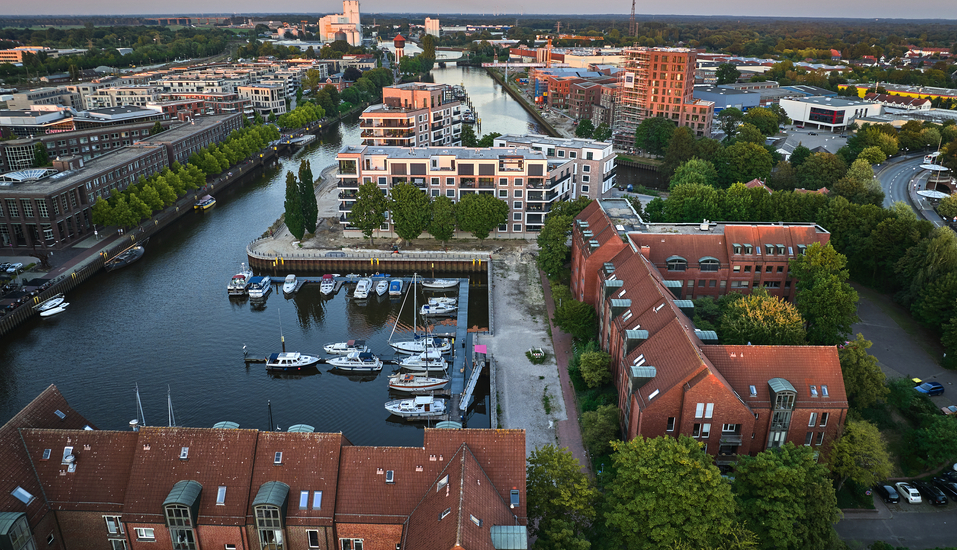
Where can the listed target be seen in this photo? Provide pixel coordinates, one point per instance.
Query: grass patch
(537, 358)
(641, 160)
(547, 400)
(642, 190)
(853, 495)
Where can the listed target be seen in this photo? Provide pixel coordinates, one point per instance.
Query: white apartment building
(525, 179)
(414, 114)
(122, 96)
(593, 161)
(265, 98)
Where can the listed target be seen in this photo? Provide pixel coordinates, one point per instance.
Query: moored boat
(443, 300)
(54, 310)
(442, 284)
(345, 348)
(290, 361)
(419, 345)
(260, 287)
(125, 258)
(205, 203)
(357, 362)
(381, 287)
(50, 303)
(395, 287)
(423, 406)
(328, 284)
(424, 362)
(362, 288)
(412, 384)
(437, 310)
(239, 284)
(289, 285)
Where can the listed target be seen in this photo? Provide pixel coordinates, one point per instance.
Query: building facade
(673, 379)
(526, 180)
(432, 27)
(265, 99)
(122, 96)
(342, 26)
(240, 489)
(413, 115)
(658, 82)
(829, 113)
(593, 162)
(182, 141)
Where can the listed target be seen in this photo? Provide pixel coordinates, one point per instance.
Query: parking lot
(915, 526)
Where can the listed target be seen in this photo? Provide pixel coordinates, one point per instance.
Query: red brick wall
(374, 537)
(585, 269)
(216, 537)
(43, 529)
(84, 530)
(160, 533)
(297, 537)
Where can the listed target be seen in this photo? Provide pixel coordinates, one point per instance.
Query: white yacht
(345, 348)
(291, 361)
(362, 288)
(440, 284)
(437, 310)
(357, 362)
(419, 345)
(240, 282)
(424, 406)
(289, 285)
(328, 284)
(50, 303)
(260, 287)
(424, 362)
(382, 287)
(412, 384)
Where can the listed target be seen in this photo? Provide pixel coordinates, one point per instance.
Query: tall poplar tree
(293, 204)
(310, 209)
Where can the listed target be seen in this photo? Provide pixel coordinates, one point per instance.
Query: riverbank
(531, 109)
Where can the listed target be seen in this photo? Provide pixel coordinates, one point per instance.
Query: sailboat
(418, 344)
(291, 361)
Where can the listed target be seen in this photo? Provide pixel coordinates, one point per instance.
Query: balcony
(538, 207)
(536, 183)
(536, 196)
(348, 184)
(373, 123)
(731, 439)
(345, 206)
(348, 195)
(552, 195)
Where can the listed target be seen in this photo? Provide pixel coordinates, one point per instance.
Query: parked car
(908, 492)
(930, 388)
(13, 268)
(888, 493)
(949, 409)
(946, 485)
(931, 493)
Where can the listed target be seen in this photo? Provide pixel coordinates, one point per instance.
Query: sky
(924, 9)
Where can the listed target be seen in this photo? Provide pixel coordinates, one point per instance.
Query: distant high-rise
(658, 82)
(346, 23)
(432, 27)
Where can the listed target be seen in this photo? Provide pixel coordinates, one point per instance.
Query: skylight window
(184, 453)
(813, 391)
(278, 459)
(22, 495)
(824, 390)
(442, 483)
(46, 454)
(303, 500)
(59, 413)
(444, 513)
(475, 520)
(316, 500)
(754, 390)
(390, 476)
(221, 495)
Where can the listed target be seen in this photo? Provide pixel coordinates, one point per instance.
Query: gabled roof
(802, 366)
(458, 509)
(15, 468)
(213, 458)
(310, 462)
(102, 467)
(691, 247)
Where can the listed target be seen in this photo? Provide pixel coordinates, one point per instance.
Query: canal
(166, 322)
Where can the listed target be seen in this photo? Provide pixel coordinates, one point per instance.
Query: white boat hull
(440, 284)
(415, 347)
(54, 311)
(417, 384)
(412, 408)
(423, 368)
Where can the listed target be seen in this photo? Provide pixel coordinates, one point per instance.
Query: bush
(599, 428)
(594, 368)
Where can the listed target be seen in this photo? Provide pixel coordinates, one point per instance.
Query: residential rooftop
(833, 101)
(429, 152)
(574, 143)
(71, 178)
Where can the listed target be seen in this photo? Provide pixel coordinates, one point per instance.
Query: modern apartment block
(60, 95)
(342, 26)
(413, 115)
(674, 379)
(182, 141)
(525, 179)
(658, 82)
(593, 162)
(266, 99)
(68, 485)
(122, 96)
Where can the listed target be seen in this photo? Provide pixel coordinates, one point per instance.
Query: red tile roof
(102, 468)
(310, 462)
(15, 468)
(215, 458)
(802, 366)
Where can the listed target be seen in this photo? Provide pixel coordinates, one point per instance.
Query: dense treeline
(140, 200)
(149, 44)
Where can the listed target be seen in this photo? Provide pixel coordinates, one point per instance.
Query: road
(915, 526)
(898, 178)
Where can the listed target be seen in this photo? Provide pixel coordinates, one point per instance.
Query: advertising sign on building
(629, 80)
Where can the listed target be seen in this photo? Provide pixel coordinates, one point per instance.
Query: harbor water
(165, 323)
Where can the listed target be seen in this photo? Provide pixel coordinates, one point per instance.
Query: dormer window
(736, 248)
(748, 249)
(444, 513)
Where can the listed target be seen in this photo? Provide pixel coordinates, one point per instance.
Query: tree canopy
(762, 320)
(560, 495)
(368, 212)
(411, 210)
(480, 213)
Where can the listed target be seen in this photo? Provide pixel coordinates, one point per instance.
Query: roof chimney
(705, 226)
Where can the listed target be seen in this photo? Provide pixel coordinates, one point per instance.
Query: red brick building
(227, 488)
(674, 379)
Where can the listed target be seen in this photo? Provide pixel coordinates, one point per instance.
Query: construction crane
(632, 28)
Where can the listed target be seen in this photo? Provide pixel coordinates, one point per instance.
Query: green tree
(821, 170)
(156, 129)
(468, 136)
(602, 132)
(41, 157)
(479, 214)
(558, 488)
(693, 202)
(765, 120)
(667, 491)
(738, 203)
(784, 177)
(553, 238)
(872, 155)
(727, 73)
(728, 120)
(824, 298)
(123, 215)
(411, 211)
(488, 140)
(947, 207)
(368, 212)
(102, 212)
(864, 381)
(559, 534)
(937, 441)
(594, 368)
(695, 170)
(585, 129)
(151, 197)
(166, 192)
(307, 192)
(860, 454)
(442, 224)
(762, 320)
(743, 162)
(680, 149)
(799, 155)
(140, 209)
(576, 318)
(786, 498)
(925, 262)
(653, 134)
(749, 133)
(293, 205)
(599, 428)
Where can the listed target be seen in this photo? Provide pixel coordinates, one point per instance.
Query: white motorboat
(395, 287)
(363, 287)
(357, 362)
(419, 345)
(328, 284)
(289, 285)
(382, 287)
(345, 348)
(437, 310)
(412, 383)
(440, 284)
(54, 310)
(424, 362)
(50, 303)
(443, 300)
(260, 287)
(423, 406)
(240, 282)
(291, 361)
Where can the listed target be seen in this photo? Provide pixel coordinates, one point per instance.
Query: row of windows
(769, 249)
(818, 441)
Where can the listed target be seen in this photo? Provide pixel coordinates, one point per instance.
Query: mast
(139, 406)
(169, 404)
(281, 337)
